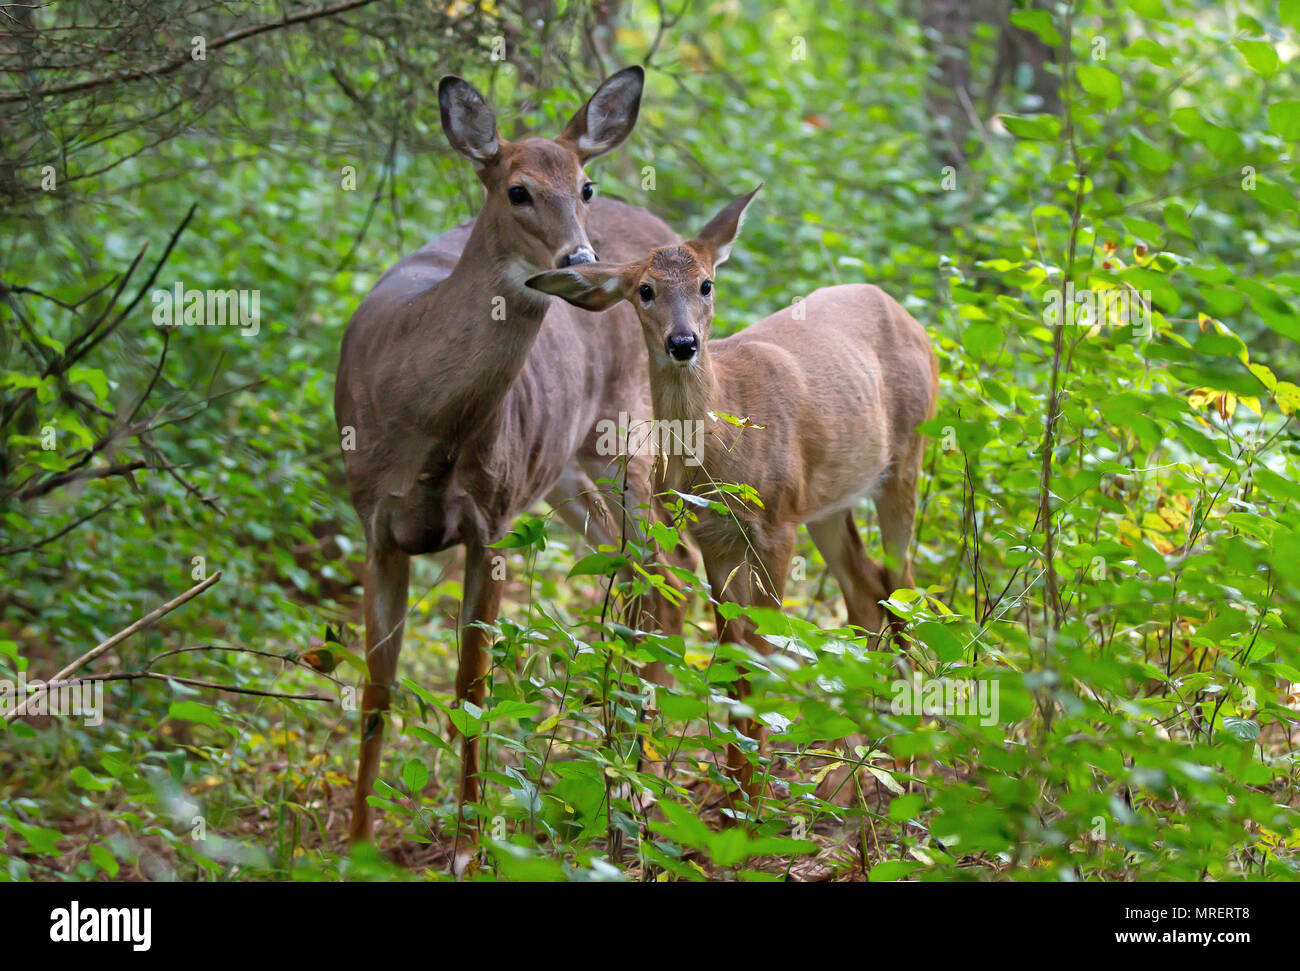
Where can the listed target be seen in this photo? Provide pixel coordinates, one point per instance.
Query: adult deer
(468, 397)
(837, 386)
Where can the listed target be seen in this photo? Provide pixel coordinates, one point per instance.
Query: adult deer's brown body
(469, 397)
(837, 385)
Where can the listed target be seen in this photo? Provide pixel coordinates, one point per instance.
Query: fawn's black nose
(582, 254)
(682, 347)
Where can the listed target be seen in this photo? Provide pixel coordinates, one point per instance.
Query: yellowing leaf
(1161, 544)
(1151, 520)
(1265, 376)
(733, 420)
(886, 780)
(697, 658)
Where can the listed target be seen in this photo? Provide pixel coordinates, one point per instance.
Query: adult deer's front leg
(483, 587)
(386, 583)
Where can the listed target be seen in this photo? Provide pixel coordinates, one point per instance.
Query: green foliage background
(1133, 594)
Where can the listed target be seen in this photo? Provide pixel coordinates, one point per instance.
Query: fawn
(831, 390)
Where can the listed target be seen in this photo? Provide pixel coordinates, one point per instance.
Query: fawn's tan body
(835, 428)
(839, 383)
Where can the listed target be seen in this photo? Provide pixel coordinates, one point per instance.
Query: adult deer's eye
(706, 288)
(647, 292)
(518, 195)
(588, 191)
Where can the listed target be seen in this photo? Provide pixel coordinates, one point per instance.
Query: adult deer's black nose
(682, 347)
(582, 254)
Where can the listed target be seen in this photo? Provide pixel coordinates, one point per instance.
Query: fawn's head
(671, 288)
(537, 190)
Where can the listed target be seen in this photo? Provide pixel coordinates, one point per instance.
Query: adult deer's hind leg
(483, 586)
(386, 580)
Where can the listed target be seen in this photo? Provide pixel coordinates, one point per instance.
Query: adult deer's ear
(468, 120)
(591, 286)
(603, 122)
(715, 239)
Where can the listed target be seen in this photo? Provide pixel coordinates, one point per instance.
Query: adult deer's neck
(487, 321)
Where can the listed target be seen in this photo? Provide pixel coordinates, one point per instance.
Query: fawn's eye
(588, 191)
(706, 288)
(647, 292)
(518, 195)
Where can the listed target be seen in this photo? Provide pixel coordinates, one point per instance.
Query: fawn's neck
(686, 395)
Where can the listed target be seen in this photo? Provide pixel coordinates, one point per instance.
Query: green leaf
(1176, 219)
(1284, 119)
(1154, 9)
(192, 711)
(1288, 12)
(1147, 155)
(415, 776)
(103, 858)
(1145, 281)
(903, 808)
(938, 638)
(466, 723)
(1242, 729)
(1153, 52)
(1038, 22)
(891, 870)
(1046, 128)
(94, 377)
(598, 564)
(38, 838)
(982, 337)
(530, 532)
(87, 780)
(517, 710)
(679, 707)
(1188, 121)
(1260, 55)
(1101, 83)
(694, 500)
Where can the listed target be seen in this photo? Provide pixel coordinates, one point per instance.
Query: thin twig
(167, 67)
(118, 638)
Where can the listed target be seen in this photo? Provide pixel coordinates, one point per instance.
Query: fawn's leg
(895, 499)
(861, 579)
(751, 574)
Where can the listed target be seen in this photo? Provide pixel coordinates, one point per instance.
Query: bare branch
(167, 67)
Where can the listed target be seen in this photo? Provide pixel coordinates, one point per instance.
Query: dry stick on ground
(113, 641)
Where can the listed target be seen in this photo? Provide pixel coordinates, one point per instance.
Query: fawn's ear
(591, 286)
(603, 122)
(715, 239)
(468, 120)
